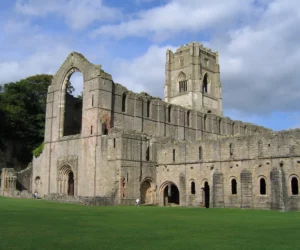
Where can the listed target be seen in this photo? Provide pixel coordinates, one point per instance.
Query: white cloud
(39, 63)
(78, 13)
(144, 73)
(178, 16)
(259, 61)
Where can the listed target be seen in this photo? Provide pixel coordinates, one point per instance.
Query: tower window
(205, 84)
(188, 118)
(182, 86)
(174, 155)
(148, 108)
(123, 102)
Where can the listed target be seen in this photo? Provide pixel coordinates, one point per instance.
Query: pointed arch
(182, 82)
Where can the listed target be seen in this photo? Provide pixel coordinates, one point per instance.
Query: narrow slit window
(295, 186)
(114, 142)
(92, 100)
(148, 108)
(263, 187)
(188, 118)
(174, 155)
(200, 153)
(91, 130)
(233, 186)
(169, 114)
(124, 102)
(193, 188)
(147, 154)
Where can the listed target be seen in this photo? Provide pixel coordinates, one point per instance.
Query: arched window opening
(174, 155)
(169, 114)
(200, 153)
(233, 186)
(188, 118)
(73, 104)
(205, 84)
(182, 82)
(220, 126)
(148, 108)
(204, 123)
(295, 187)
(193, 188)
(124, 102)
(263, 186)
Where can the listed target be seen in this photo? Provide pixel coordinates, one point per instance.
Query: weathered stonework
(182, 151)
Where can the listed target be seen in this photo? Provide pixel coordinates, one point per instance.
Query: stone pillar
(246, 189)
(182, 190)
(218, 189)
(277, 197)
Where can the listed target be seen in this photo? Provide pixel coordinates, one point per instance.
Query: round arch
(294, 184)
(169, 194)
(147, 191)
(66, 181)
(38, 184)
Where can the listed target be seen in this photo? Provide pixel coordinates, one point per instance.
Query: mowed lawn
(39, 224)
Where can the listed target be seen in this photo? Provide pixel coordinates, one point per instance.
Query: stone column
(218, 189)
(182, 190)
(277, 198)
(246, 189)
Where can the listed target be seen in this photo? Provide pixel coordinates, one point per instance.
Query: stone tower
(193, 79)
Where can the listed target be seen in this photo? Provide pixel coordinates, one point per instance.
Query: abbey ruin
(112, 145)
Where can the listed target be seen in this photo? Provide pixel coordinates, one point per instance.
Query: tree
(22, 113)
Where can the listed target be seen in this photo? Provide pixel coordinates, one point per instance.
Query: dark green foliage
(36, 152)
(22, 113)
(38, 224)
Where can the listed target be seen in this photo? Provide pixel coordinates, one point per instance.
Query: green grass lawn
(39, 224)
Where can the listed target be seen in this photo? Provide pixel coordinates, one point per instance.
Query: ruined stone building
(112, 145)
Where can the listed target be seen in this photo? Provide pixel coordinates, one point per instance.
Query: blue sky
(258, 42)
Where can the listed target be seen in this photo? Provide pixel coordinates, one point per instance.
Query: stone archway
(38, 184)
(66, 181)
(147, 191)
(170, 193)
